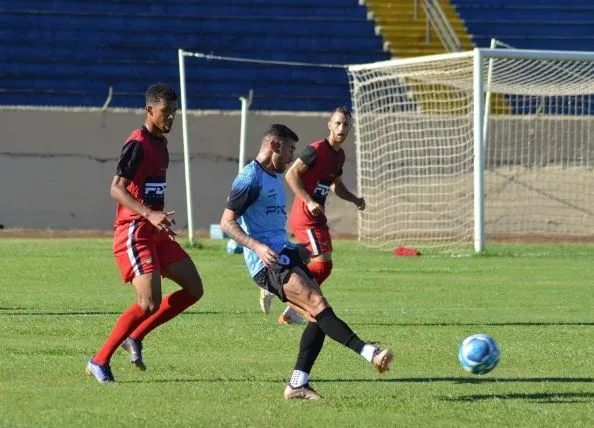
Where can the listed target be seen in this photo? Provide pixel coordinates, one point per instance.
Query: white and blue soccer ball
(478, 353)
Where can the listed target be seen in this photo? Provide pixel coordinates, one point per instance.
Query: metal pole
(488, 97)
(187, 160)
(245, 105)
(479, 153)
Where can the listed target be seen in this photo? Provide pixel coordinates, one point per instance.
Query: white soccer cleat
(304, 392)
(265, 300)
(290, 316)
(381, 360)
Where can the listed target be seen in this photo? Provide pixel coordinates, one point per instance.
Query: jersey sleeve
(130, 159)
(244, 191)
(308, 156)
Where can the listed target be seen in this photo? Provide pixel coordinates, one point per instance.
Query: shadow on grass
(459, 380)
(470, 380)
(463, 324)
(542, 397)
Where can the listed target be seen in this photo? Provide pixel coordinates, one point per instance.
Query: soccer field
(224, 363)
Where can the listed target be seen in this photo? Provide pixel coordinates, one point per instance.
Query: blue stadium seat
(212, 8)
(534, 24)
(67, 52)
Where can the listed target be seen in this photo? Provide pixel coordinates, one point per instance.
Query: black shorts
(273, 278)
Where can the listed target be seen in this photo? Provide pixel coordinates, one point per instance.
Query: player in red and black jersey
(143, 245)
(316, 171)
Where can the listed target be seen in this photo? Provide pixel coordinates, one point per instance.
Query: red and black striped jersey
(144, 161)
(324, 166)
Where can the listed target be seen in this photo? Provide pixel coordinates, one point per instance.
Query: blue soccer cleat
(102, 373)
(134, 349)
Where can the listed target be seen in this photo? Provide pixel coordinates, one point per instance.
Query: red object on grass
(403, 251)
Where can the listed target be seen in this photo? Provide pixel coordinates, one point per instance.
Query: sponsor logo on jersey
(321, 191)
(275, 209)
(154, 190)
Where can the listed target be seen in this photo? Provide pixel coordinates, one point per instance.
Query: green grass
(224, 363)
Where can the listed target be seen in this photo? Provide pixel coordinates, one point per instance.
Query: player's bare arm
(342, 192)
(293, 178)
(230, 226)
(119, 191)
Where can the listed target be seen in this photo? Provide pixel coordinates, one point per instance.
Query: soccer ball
(478, 354)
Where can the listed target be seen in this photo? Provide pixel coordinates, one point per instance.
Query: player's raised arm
(342, 192)
(293, 178)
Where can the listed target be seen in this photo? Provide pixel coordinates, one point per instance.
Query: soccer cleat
(265, 300)
(134, 349)
(304, 392)
(381, 360)
(285, 319)
(102, 373)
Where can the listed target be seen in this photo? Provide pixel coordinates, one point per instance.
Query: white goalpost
(245, 105)
(440, 171)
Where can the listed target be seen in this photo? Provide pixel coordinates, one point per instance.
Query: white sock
(268, 293)
(368, 351)
(298, 378)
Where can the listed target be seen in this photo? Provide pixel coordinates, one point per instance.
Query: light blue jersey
(259, 197)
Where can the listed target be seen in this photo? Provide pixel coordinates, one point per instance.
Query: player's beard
(338, 139)
(166, 128)
(278, 166)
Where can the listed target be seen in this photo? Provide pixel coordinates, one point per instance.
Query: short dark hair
(344, 110)
(282, 132)
(159, 91)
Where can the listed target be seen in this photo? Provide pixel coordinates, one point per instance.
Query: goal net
(439, 168)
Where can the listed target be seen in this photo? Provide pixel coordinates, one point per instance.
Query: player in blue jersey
(256, 218)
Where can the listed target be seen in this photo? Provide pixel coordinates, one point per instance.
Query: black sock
(311, 344)
(336, 329)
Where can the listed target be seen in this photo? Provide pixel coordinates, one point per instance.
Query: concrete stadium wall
(56, 166)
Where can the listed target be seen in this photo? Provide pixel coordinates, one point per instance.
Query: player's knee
(197, 290)
(316, 303)
(149, 306)
(326, 269)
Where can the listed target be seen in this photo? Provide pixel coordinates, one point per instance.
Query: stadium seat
(69, 53)
(546, 24)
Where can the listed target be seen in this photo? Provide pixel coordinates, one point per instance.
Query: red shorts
(139, 248)
(316, 239)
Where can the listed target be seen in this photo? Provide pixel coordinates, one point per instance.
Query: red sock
(171, 306)
(128, 321)
(320, 270)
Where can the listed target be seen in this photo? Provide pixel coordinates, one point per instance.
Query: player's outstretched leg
(338, 330)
